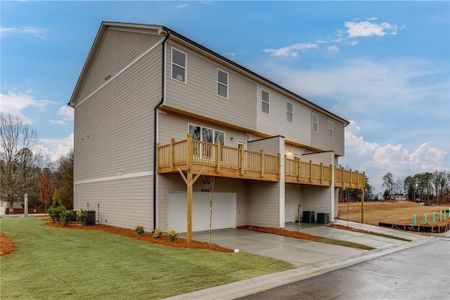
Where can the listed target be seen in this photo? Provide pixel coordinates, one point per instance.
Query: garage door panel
(224, 211)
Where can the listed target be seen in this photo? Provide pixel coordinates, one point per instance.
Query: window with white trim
(315, 122)
(222, 83)
(178, 65)
(330, 128)
(205, 134)
(265, 101)
(289, 111)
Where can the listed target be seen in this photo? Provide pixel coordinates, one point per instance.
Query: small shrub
(55, 211)
(72, 214)
(157, 233)
(65, 217)
(82, 216)
(172, 234)
(140, 230)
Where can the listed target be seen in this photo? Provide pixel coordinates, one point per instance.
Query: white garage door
(224, 211)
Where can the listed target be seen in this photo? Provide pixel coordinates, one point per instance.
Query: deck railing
(218, 160)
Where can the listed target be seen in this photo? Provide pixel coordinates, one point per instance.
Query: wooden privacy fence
(218, 160)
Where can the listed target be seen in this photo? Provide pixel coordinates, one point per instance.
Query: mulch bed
(6, 245)
(283, 232)
(148, 237)
(337, 226)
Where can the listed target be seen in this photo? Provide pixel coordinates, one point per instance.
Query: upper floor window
(315, 122)
(265, 101)
(222, 83)
(178, 65)
(289, 111)
(330, 128)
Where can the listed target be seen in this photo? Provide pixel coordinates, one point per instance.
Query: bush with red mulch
(148, 237)
(6, 245)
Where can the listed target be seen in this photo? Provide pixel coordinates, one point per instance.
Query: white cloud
(14, 103)
(291, 50)
(367, 28)
(367, 87)
(53, 149)
(181, 6)
(66, 114)
(378, 159)
(333, 49)
(31, 30)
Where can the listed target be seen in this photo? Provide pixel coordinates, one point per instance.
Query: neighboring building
(144, 88)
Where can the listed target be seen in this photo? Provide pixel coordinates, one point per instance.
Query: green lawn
(52, 263)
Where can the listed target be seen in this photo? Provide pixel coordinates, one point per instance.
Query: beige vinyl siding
(124, 202)
(323, 141)
(117, 50)
(294, 150)
(113, 129)
(293, 199)
(264, 203)
(114, 137)
(275, 122)
(174, 183)
(176, 126)
(317, 198)
(199, 94)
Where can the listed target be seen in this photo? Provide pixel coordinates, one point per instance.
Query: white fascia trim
(117, 177)
(121, 71)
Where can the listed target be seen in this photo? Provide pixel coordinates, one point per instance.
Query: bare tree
(389, 184)
(16, 141)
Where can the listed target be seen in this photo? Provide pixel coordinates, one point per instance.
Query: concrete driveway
(296, 251)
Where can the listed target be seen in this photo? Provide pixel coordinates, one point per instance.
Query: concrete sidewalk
(407, 235)
(254, 285)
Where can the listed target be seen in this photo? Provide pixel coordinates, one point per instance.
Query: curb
(261, 283)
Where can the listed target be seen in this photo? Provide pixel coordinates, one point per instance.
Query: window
(265, 101)
(222, 83)
(330, 128)
(204, 134)
(219, 136)
(315, 122)
(289, 111)
(178, 65)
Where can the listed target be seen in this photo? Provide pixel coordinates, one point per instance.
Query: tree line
(427, 187)
(24, 170)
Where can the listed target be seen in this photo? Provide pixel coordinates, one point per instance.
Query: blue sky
(384, 66)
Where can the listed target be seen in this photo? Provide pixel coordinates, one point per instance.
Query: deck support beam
(189, 179)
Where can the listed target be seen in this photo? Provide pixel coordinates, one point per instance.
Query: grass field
(398, 212)
(55, 263)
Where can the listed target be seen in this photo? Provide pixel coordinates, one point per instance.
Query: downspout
(155, 124)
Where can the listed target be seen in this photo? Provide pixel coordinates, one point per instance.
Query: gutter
(155, 124)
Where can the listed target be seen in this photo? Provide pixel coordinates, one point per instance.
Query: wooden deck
(223, 161)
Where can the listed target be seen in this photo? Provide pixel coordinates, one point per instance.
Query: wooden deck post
(189, 205)
(362, 205)
(298, 168)
(357, 178)
(331, 175)
(321, 173)
(218, 155)
(158, 163)
(172, 155)
(189, 152)
(279, 166)
(342, 177)
(262, 163)
(241, 160)
(189, 180)
(351, 178)
(310, 171)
